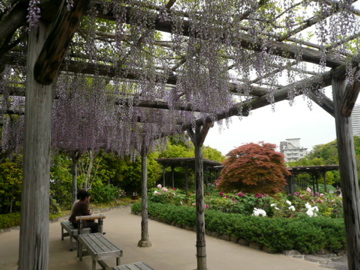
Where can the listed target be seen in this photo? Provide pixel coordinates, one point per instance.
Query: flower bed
(305, 234)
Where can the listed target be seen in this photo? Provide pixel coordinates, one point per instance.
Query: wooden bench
(99, 248)
(134, 266)
(67, 229)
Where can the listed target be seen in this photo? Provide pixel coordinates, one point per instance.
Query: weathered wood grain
(34, 228)
(197, 138)
(57, 43)
(350, 96)
(144, 241)
(349, 178)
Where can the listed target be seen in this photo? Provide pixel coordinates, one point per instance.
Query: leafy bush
(305, 234)
(105, 194)
(9, 220)
(166, 195)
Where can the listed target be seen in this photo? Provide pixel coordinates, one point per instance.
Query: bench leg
(117, 261)
(62, 233)
(80, 250)
(71, 242)
(93, 264)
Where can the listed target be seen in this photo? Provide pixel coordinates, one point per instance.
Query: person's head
(83, 195)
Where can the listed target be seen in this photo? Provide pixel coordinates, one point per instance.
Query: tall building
(292, 150)
(355, 119)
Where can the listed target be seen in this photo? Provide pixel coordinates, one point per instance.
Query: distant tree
(254, 168)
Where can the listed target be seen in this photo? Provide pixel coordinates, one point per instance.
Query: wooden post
(172, 177)
(198, 138)
(144, 242)
(34, 228)
(325, 185)
(186, 180)
(164, 175)
(348, 173)
(75, 159)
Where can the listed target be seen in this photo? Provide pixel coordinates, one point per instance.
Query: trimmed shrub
(307, 235)
(9, 220)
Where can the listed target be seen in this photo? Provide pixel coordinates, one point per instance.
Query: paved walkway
(172, 249)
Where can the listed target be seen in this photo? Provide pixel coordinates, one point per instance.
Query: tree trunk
(34, 228)
(144, 242)
(349, 179)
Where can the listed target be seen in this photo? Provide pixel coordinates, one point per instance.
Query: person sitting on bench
(81, 208)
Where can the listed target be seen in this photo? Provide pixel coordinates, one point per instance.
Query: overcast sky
(313, 127)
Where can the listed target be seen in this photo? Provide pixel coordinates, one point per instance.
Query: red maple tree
(253, 168)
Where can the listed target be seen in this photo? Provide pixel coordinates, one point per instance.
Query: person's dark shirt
(81, 208)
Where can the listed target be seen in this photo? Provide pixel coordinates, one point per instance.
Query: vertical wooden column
(144, 242)
(172, 177)
(164, 175)
(348, 173)
(325, 184)
(186, 180)
(34, 228)
(198, 138)
(75, 156)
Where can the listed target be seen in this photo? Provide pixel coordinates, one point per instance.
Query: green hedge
(9, 220)
(307, 235)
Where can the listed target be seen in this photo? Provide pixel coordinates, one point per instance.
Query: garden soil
(172, 249)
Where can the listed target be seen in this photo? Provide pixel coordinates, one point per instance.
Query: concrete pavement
(172, 249)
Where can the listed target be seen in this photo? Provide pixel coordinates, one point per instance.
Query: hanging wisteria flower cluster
(137, 71)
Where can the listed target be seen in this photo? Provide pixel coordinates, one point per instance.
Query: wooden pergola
(314, 171)
(198, 62)
(208, 165)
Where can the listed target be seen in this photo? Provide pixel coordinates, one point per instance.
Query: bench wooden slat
(98, 247)
(134, 266)
(68, 229)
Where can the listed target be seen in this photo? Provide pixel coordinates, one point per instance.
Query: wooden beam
(246, 41)
(323, 101)
(53, 52)
(204, 131)
(349, 178)
(170, 4)
(12, 20)
(351, 95)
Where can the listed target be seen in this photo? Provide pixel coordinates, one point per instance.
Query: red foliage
(253, 168)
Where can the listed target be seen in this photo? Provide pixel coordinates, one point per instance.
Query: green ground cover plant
(306, 234)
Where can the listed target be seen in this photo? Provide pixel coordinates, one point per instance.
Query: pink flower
(207, 206)
(164, 189)
(258, 195)
(308, 190)
(241, 194)
(221, 193)
(159, 186)
(227, 196)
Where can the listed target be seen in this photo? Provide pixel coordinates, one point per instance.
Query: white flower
(273, 205)
(277, 208)
(155, 192)
(288, 202)
(292, 208)
(311, 211)
(259, 212)
(307, 205)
